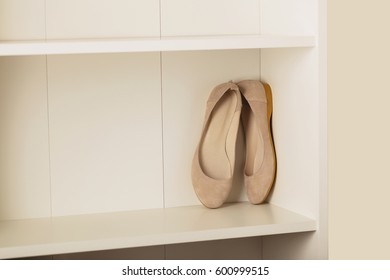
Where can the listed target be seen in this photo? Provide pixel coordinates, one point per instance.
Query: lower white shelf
(71, 234)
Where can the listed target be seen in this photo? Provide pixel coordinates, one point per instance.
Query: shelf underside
(48, 47)
(59, 235)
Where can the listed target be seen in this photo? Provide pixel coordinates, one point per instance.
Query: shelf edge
(57, 47)
(53, 239)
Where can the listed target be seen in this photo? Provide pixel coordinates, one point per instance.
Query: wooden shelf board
(51, 47)
(71, 234)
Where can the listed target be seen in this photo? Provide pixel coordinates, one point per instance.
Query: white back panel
(205, 17)
(103, 18)
(105, 133)
(289, 17)
(22, 20)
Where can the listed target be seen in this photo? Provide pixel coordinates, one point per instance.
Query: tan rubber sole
(268, 93)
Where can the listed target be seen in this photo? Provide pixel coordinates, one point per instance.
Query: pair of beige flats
(214, 159)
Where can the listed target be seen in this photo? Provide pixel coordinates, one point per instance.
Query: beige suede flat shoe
(260, 162)
(213, 162)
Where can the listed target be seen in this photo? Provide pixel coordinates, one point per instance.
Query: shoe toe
(211, 192)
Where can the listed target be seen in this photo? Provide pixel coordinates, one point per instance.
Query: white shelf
(46, 236)
(18, 48)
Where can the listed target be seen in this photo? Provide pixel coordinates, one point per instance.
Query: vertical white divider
(323, 130)
(295, 75)
(24, 166)
(48, 132)
(162, 112)
(261, 240)
(48, 110)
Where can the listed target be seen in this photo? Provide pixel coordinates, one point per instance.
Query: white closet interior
(101, 108)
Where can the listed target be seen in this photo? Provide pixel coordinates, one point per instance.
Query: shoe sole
(268, 93)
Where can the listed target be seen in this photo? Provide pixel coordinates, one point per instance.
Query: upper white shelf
(18, 48)
(49, 236)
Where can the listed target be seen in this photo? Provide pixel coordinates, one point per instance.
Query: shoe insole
(253, 140)
(217, 148)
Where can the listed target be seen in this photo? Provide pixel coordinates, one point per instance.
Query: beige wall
(359, 129)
